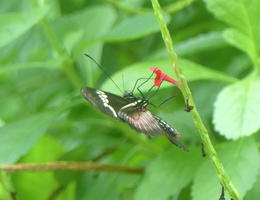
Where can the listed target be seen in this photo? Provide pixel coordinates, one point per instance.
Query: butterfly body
(131, 110)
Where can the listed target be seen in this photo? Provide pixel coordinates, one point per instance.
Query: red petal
(169, 79)
(160, 77)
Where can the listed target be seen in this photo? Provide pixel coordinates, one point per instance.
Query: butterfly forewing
(106, 102)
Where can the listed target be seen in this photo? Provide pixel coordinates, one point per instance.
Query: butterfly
(133, 111)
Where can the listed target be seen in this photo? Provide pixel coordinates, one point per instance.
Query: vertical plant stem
(210, 150)
(67, 64)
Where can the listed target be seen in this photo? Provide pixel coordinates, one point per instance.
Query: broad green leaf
(199, 43)
(6, 186)
(168, 174)
(28, 65)
(4, 195)
(241, 41)
(191, 70)
(107, 186)
(38, 185)
(244, 17)
(134, 28)
(19, 136)
(15, 24)
(241, 162)
(82, 29)
(254, 193)
(194, 45)
(237, 110)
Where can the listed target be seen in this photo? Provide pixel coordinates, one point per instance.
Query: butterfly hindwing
(145, 122)
(141, 121)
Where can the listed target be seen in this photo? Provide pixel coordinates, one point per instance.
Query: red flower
(160, 77)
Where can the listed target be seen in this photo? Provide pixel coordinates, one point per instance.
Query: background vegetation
(43, 118)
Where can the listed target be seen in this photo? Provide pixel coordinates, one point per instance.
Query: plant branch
(210, 150)
(70, 166)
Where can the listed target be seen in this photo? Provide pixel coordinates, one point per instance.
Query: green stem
(67, 64)
(210, 150)
(52, 37)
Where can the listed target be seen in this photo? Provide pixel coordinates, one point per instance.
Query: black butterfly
(132, 110)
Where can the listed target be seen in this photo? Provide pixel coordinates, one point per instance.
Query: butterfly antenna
(100, 67)
(123, 81)
(145, 81)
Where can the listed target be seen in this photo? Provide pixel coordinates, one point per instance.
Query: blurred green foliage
(43, 118)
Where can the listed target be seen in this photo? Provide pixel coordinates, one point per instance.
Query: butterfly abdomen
(171, 133)
(167, 128)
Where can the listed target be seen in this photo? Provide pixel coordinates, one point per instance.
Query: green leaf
(241, 41)
(107, 186)
(3, 193)
(19, 136)
(243, 16)
(194, 45)
(15, 24)
(29, 65)
(6, 186)
(77, 35)
(46, 150)
(253, 194)
(237, 110)
(241, 162)
(134, 28)
(191, 70)
(200, 43)
(168, 174)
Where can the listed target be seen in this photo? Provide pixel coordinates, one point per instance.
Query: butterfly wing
(149, 124)
(141, 121)
(106, 102)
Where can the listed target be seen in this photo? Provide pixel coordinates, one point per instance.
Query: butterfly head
(129, 95)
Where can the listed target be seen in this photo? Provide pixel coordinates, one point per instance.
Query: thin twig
(70, 166)
(210, 150)
(57, 192)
